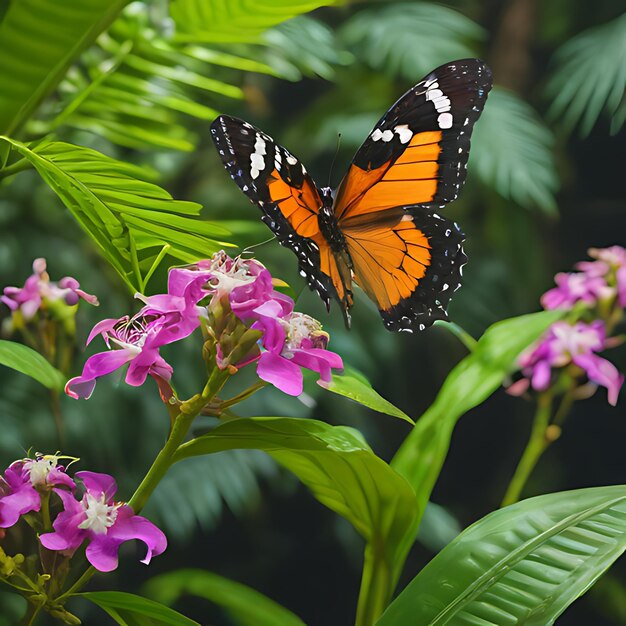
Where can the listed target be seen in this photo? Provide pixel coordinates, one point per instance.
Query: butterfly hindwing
(278, 183)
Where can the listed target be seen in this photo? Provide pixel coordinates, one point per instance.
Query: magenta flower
(577, 287)
(136, 341)
(566, 344)
(292, 341)
(19, 487)
(38, 289)
(103, 523)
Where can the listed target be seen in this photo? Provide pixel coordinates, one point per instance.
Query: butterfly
(381, 228)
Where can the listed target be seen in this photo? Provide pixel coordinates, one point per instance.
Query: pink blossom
(19, 487)
(563, 345)
(136, 341)
(103, 523)
(292, 341)
(38, 289)
(576, 287)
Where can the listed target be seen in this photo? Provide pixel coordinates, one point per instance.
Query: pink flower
(38, 289)
(137, 341)
(103, 523)
(572, 288)
(292, 341)
(563, 345)
(19, 488)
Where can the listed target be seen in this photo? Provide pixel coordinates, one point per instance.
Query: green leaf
(234, 20)
(128, 609)
(424, 36)
(244, 605)
(342, 472)
(516, 160)
(25, 360)
(590, 76)
(131, 220)
(524, 564)
(352, 384)
(31, 64)
(471, 382)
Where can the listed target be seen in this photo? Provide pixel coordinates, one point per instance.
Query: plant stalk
(536, 446)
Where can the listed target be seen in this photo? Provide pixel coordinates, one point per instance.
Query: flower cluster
(40, 292)
(569, 349)
(241, 313)
(89, 513)
(601, 279)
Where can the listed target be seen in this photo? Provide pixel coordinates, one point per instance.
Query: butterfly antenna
(332, 164)
(249, 249)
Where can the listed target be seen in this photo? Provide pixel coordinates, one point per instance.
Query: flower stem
(32, 610)
(461, 334)
(376, 586)
(536, 446)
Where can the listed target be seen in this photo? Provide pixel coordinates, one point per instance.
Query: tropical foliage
(107, 170)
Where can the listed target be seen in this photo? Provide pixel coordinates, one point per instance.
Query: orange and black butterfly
(381, 228)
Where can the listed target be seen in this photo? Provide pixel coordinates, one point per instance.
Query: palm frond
(194, 493)
(234, 20)
(409, 40)
(135, 223)
(304, 46)
(515, 159)
(135, 87)
(590, 77)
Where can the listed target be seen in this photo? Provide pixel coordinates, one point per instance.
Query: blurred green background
(545, 182)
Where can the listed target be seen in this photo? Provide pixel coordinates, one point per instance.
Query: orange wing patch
(298, 205)
(411, 179)
(389, 261)
(337, 270)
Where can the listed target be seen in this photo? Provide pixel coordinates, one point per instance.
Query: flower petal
(280, 372)
(102, 552)
(98, 484)
(96, 366)
(602, 372)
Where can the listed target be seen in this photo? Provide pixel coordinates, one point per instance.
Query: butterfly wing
(278, 183)
(405, 256)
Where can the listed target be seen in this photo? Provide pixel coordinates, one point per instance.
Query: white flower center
(299, 327)
(99, 516)
(38, 469)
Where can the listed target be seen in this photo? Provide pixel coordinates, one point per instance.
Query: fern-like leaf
(135, 223)
(235, 20)
(590, 77)
(512, 152)
(409, 40)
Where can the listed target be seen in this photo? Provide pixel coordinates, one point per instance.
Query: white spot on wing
(404, 133)
(376, 135)
(387, 135)
(445, 120)
(291, 159)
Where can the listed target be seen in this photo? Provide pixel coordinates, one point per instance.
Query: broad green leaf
(471, 382)
(516, 160)
(131, 220)
(524, 564)
(244, 605)
(25, 360)
(128, 609)
(352, 384)
(234, 20)
(40, 39)
(590, 77)
(343, 473)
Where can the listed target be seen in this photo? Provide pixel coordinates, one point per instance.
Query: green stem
(32, 610)
(535, 447)
(15, 168)
(376, 585)
(84, 578)
(244, 395)
(462, 335)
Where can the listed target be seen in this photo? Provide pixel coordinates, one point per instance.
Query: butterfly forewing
(278, 183)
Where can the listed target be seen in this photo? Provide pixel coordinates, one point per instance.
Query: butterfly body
(381, 229)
